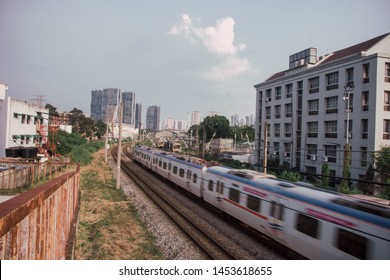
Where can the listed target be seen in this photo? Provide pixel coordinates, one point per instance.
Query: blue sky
(182, 55)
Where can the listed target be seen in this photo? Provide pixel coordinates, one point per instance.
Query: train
(316, 224)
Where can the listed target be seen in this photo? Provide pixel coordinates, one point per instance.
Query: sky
(195, 55)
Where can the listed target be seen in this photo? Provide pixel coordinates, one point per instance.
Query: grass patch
(109, 226)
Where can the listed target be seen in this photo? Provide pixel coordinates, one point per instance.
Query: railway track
(212, 243)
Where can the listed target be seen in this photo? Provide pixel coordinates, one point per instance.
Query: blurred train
(314, 223)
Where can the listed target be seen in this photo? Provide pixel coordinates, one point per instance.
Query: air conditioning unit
(286, 154)
(267, 99)
(313, 157)
(325, 159)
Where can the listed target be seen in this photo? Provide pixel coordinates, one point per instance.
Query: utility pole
(106, 142)
(118, 166)
(265, 148)
(347, 147)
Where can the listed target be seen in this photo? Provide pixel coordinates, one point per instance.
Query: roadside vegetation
(109, 227)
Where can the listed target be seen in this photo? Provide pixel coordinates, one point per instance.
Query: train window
(277, 211)
(169, 166)
(160, 163)
(181, 172)
(220, 187)
(307, 225)
(351, 243)
(165, 165)
(234, 195)
(174, 169)
(253, 203)
(189, 174)
(194, 177)
(211, 185)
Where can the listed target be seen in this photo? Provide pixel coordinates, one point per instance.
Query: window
(220, 187)
(365, 101)
(287, 129)
(268, 129)
(331, 105)
(386, 129)
(332, 81)
(349, 76)
(351, 243)
(387, 72)
(267, 112)
(276, 148)
(253, 203)
(160, 163)
(189, 174)
(313, 107)
(314, 85)
(277, 129)
(363, 156)
(366, 73)
(331, 129)
(288, 110)
(287, 149)
(278, 93)
(268, 94)
(289, 90)
(364, 128)
(307, 225)
(234, 195)
(330, 154)
(181, 172)
(312, 129)
(169, 166)
(277, 111)
(174, 169)
(277, 211)
(195, 178)
(165, 165)
(211, 185)
(311, 151)
(386, 101)
(300, 88)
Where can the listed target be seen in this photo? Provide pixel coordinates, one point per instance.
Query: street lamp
(347, 154)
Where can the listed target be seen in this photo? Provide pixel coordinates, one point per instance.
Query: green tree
(52, 109)
(325, 175)
(218, 125)
(382, 163)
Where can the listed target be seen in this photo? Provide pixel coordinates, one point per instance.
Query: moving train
(314, 223)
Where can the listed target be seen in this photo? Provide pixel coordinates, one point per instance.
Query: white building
(195, 118)
(21, 124)
(304, 109)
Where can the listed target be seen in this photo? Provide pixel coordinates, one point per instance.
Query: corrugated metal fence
(41, 223)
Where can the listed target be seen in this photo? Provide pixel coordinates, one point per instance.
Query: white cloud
(218, 40)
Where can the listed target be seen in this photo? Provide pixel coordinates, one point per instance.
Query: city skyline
(200, 56)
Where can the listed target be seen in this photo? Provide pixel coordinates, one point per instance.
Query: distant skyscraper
(234, 120)
(213, 114)
(104, 103)
(138, 114)
(196, 117)
(153, 118)
(128, 99)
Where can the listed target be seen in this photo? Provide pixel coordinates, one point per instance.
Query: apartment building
(307, 114)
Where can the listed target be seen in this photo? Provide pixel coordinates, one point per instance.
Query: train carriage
(314, 223)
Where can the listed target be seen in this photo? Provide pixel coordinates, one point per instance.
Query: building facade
(104, 104)
(153, 118)
(138, 115)
(129, 108)
(21, 124)
(309, 113)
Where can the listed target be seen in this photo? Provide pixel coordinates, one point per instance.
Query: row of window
(331, 82)
(304, 224)
(28, 119)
